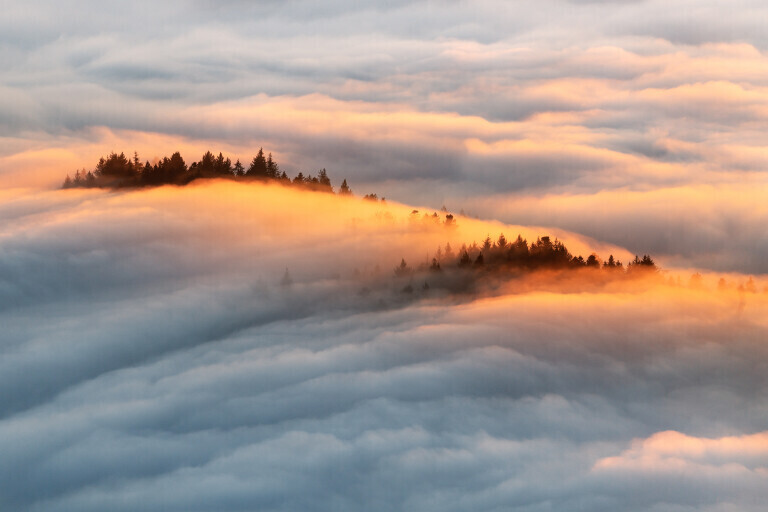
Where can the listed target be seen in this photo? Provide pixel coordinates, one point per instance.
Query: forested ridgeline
(502, 254)
(119, 171)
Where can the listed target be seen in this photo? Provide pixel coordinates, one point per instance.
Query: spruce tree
(258, 167)
(273, 170)
(239, 170)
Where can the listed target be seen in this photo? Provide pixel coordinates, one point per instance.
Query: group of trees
(541, 254)
(117, 170)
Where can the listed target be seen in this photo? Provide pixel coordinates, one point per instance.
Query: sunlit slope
(264, 222)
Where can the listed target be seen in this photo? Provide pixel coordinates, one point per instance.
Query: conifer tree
(206, 164)
(222, 165)
(239, 170)
(258, 167)
(324, 181)
(273, 170)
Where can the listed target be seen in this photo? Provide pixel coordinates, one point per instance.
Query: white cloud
(173, 372)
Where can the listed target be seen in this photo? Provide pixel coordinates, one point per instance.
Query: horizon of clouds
(153, 357)
(423, 102)
(173, 371)
(562, 99)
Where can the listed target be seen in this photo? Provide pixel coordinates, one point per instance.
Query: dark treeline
(519, 254)
(119, 171)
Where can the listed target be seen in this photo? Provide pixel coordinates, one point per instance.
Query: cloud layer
(153, 356)
(427, 102)
(173, 371)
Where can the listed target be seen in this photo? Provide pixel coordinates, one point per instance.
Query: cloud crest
(153, 360)
(174, 372)
(428, 105)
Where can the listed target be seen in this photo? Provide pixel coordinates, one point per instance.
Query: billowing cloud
(703, 226)
(227, 346)
(403, 90)
(728, 469)
(174, 371)
(530, 117)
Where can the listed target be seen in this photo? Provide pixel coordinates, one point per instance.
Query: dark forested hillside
(119, 171)
(496, 261)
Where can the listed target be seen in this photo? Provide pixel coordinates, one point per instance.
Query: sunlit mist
(383, 256)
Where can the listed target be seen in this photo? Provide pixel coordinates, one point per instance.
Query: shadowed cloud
(175, 372)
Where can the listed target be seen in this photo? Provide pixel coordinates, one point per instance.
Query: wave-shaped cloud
(153, 357)
(578, 95)
(531, 104)
(154, 361)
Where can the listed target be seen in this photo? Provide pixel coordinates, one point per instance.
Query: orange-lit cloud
(249, 347)
(170, 331)
(669, 446)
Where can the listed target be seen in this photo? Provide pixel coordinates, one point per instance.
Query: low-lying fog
(246, 347)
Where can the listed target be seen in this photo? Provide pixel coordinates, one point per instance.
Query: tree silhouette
(239, 170)
(272, 169)
(644, 264)
(518, 252)
(172, 170)
(448, 252)
(258, 167)
(116, 171)
(324, 181)
(206, 165)
(497, 261)
(464, 260)
(402, 269)
(222, 166)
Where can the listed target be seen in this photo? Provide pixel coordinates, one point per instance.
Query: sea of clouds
(153, 357)
(225, 347)
(616, 119)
